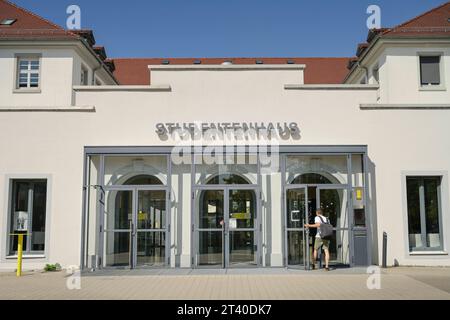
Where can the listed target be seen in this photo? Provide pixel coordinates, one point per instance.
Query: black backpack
(326, 229)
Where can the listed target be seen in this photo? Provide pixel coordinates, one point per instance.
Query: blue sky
(231, 28)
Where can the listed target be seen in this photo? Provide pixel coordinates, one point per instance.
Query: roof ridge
(144, 58)
(33, 14)
(416, 18)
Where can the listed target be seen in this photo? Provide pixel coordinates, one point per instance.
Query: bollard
(19, 255)
(385, 238)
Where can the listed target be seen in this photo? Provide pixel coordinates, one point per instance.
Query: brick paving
(260, 284)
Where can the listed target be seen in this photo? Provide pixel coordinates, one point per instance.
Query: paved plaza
(245, 284)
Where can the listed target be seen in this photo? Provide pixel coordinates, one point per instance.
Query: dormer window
(7, 22)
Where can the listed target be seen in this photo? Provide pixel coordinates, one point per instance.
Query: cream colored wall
(241, 82)
(60, 71)
(78, 62)
(55, 81)
(400, 75)
(52, 143)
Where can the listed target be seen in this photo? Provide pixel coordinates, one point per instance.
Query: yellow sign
(142, 216)
(359, 194)
(241, 216)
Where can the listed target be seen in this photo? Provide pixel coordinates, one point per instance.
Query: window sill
(429, 253)
(27, 91)
(432, 88)
(28, 256)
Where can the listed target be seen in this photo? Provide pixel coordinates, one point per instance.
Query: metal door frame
(225, 230)
(349, 209)
(305, 231)
(166, 230)
(133, 228)
(104, 231)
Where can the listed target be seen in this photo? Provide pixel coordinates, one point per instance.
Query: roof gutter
(94, 71)
(358, 64)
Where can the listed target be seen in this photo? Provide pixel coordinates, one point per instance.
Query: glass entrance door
(226, 228)
(241, 229)
(334, 203)
(151, 225)
(119, 225)
(136, 228)
(297, 237)
(210, 228)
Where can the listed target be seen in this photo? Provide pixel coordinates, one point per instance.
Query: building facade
(219, 163)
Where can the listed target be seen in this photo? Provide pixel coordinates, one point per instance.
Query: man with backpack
(323, 237)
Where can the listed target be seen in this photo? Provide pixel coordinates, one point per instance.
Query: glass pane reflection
(151, 248)
(117, 249)
(210, 248)
(242, 247)
(211, 209)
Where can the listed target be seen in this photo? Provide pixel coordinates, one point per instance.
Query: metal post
(385, 238)
(19, 255)
(224, 265)
(304, 244)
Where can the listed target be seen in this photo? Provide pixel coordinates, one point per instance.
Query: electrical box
(20, 221)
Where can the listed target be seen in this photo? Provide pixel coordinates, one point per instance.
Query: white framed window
(431, 71)
(84, 81)
(430, 74)
(424, 207)
(28, 215)
(28, 72)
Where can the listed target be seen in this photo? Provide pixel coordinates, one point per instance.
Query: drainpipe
(93, 73)
(365, 69)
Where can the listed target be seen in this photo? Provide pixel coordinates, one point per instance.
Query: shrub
(52, 267)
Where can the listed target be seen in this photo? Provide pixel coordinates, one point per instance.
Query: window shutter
(430, 71)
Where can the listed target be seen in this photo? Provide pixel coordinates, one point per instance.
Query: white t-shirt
(318, 220)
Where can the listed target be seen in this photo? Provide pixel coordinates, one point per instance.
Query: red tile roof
(318, 70)
(29, 25)
(135, 71)
(431, 23)
(25, 19)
